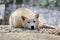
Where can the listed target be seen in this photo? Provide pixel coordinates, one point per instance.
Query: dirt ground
(6, 33)
(28, 36)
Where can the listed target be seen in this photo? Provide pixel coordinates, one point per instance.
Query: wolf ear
(23, 18)
(37, 16)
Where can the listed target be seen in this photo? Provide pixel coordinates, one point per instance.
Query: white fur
(16, 20)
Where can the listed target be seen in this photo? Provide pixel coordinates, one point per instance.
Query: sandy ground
(28, 36)
(6, 33)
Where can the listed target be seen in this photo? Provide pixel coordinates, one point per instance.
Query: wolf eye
(28, 22)
(34, 21)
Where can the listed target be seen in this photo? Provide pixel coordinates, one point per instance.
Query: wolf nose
(32, 27)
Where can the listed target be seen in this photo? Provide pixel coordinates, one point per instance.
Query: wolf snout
(32, 27)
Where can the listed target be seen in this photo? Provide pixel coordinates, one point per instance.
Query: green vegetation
(19, 1)
(44, 2)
